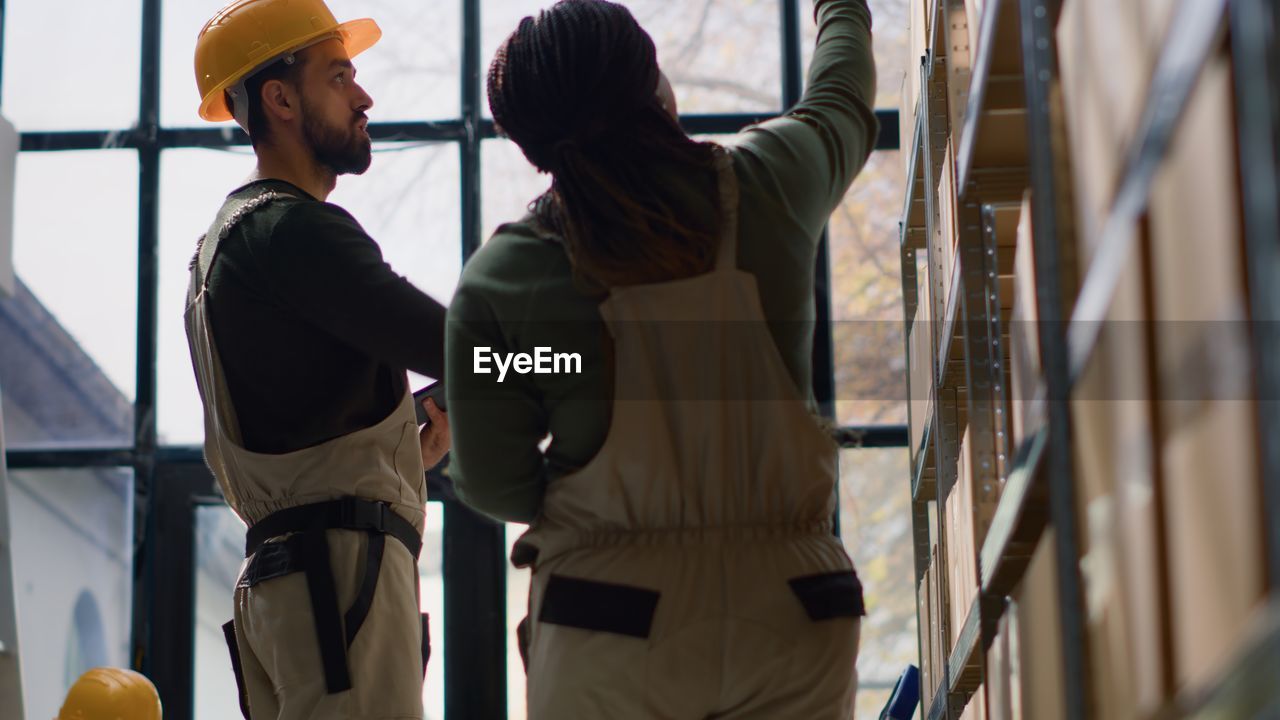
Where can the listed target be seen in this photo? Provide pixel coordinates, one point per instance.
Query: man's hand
(434, 438)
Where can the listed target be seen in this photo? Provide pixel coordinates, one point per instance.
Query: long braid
(575, 89)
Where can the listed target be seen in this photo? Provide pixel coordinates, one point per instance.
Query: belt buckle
(368, 515)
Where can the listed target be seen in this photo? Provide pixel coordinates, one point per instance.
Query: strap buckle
(364, 514)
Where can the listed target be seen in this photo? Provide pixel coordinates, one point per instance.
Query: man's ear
(279, 100)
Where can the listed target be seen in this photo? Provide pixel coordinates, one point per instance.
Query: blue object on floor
(906, 696)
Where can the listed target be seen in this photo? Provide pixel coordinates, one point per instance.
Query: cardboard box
(973, 17)
(962, 549)
(943, 257)
(920, 354)
(1105, 74)
(1155, 16)
(1211, 485)
(1215, 544)
(1119, 64)
(909, 96)
(917, 44)
(1024, 337)
(928, 678)
(1097, 445)
(942, 631)
(1001, 671)
(917, 33)
(976, 708)
(1016, 673)
(1122, 541)
(937, 628)
(1042, 695)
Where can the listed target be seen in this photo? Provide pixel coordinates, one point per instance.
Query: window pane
(415, 71)
(180, 23)
(721, 55)
(889, 43)
(412, 73)
(866, 298)
(431, 586)
(193, 184)
(72, 558)
(875, 524)
(72, 324)
(517, 609)
(219, 553)
(407, 201)
(73, 65)
(510, 184)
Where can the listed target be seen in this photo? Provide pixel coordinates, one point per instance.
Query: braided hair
(574, 88)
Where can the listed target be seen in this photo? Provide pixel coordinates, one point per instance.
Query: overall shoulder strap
(727, 256)
(232, 212)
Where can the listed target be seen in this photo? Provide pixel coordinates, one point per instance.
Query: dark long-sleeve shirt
(313, 328)
(517, 293)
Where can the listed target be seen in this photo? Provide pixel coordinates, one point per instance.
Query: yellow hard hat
(108, 693)
(249, 34)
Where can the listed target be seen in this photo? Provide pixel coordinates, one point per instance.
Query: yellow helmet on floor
(108, 693)
(247, 35)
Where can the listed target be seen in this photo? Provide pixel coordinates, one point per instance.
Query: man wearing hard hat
(300, 335)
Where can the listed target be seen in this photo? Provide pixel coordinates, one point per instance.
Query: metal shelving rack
(1021, 490)
(969, 97)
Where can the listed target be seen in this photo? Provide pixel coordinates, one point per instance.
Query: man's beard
(342, 150)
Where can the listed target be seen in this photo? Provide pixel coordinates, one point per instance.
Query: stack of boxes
(1207, 434)
(1166, 435)
(1163, 419)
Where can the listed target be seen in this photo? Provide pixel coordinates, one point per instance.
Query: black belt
(349, 513)
(306, 550)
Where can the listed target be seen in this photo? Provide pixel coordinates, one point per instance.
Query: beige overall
(690, 570)
(275, 628)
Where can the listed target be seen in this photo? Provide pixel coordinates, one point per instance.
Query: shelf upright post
(1039, 52)
(1254, 24)
(934, 133)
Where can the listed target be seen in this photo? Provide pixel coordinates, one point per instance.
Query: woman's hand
(434, 438)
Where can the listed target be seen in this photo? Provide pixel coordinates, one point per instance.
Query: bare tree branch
(741, 90)
(694, 43)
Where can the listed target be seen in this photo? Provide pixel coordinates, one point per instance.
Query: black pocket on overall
(229, 633)
(598, 606)
(826, 596)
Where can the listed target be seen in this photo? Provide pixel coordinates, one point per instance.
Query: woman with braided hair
(679, 489)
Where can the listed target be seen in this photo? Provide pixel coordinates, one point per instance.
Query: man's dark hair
(259, 130)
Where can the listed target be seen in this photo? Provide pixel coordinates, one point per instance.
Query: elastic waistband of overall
(699, 535)
(575, 538)
(544, 543)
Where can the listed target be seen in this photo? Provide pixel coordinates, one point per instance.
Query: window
(93, 357)
(70, 361)
(71, 533)
(86, 642)
(80, 64)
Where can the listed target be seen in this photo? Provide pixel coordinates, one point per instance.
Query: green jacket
(517, 293)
